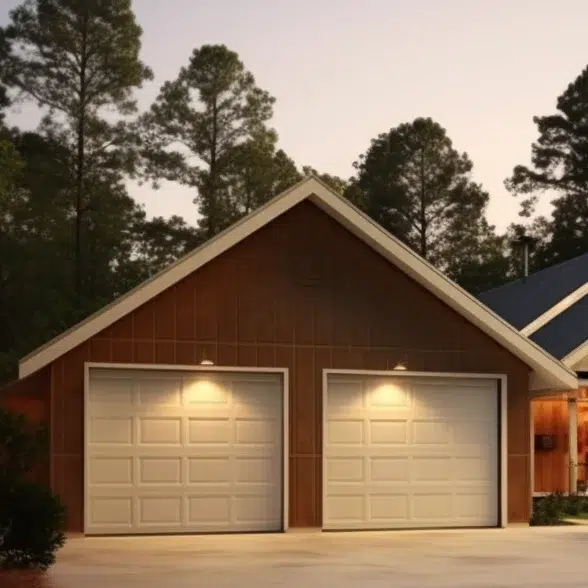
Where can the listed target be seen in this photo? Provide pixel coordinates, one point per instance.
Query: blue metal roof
(523, 300)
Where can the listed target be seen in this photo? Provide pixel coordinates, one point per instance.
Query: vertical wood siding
(305, 294)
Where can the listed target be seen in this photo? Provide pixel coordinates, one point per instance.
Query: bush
(32, 519)
(553, 509)
(32, 522)
(548, 511)
(22, 446)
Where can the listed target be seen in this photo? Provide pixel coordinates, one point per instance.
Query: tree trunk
(80, 160)
(423, 208)
(212, 228)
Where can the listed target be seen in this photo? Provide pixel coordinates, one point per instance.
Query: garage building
(302, 369)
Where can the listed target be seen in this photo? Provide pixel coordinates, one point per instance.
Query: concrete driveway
(533, 557)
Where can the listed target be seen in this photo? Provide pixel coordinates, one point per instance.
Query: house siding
(304, 294)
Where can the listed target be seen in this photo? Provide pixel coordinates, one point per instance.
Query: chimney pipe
(524, 243)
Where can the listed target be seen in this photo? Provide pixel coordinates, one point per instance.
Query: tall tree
(4, 50)
(79, 58)
(559, 167)
(11, 199)
(335, 182)
(35, 245)
(255, 172)
(157, 243)
(196, 124)
(480, 260)
(414, 183)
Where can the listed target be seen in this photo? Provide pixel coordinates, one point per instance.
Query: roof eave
(548, 369)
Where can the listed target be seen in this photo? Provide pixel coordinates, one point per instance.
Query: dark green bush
(554, 508)
(32, 519)
(548, 511)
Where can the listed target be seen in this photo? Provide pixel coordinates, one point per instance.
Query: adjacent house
(551, 307)
(302, 369)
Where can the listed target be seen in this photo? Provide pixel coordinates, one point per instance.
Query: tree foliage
(76, 58)
(205, 123)
(559, 167)
(415, 184)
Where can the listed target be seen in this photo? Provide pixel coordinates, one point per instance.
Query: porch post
(573, 440)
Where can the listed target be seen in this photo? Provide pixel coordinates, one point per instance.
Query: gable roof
(548, 372)
(549, 306)
(524, 300)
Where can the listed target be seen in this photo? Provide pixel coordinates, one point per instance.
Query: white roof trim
(576, 359)
(556, 310)
(548, 371)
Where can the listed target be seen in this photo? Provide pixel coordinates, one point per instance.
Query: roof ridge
(538, 272)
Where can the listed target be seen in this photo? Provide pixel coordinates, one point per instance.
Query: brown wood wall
(29, 396)
(550, 417)
(304, 294)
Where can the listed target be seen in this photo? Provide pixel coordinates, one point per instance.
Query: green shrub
(32, 519)
(22, 446)
(553, 509)
(32, 523)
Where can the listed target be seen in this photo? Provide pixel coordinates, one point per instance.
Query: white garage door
(183, 452)
(410, 452)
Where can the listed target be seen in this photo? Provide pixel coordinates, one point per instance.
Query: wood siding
(305, 294)
(550, 417)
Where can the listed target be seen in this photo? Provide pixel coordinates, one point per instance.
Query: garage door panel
(111, 470)
(209, 431)
(389, 469)
(111, 511)
(432, 507)
(393, 431)
(344, 397)
(254, 470)
(160, 430)
(118, 392)
(184, 456)
(159, 470)
(256, 431)
(345, 509)
(111, 430)
(388, 509)
(162, 392)
(345, 432)
(203, 391)
(430, 433)
(209, 470)
(472, 505)
(345, 469)
(160, 510)
(430, 469)
(388, 394)
(473, 469)
(414, 465)
(209, 510)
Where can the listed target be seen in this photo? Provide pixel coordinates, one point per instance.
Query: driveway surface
(514, 557)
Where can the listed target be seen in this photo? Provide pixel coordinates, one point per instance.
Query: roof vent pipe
(524, 242)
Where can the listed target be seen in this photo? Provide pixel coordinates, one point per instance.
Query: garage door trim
(88, 366)
(501, 380)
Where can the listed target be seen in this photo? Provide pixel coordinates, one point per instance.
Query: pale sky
(343, 71)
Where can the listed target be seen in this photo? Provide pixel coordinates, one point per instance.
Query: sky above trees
(342, 72)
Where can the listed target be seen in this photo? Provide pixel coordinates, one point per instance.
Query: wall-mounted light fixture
(205, 360)
(402, 365)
